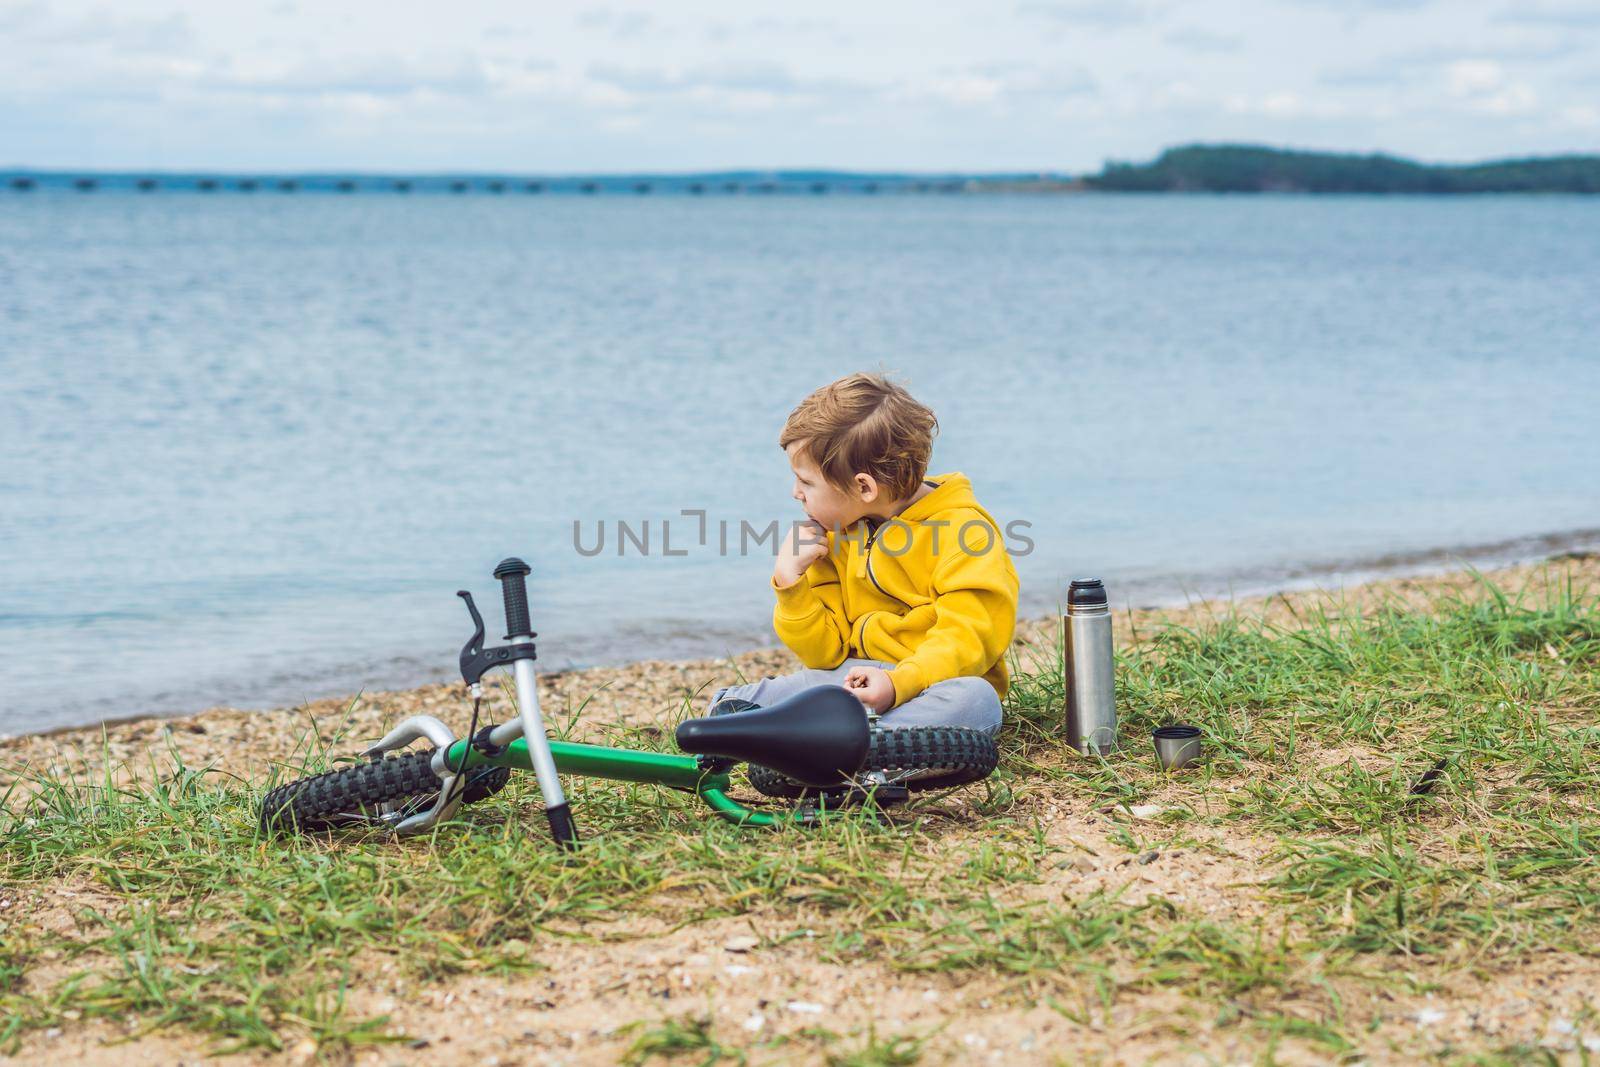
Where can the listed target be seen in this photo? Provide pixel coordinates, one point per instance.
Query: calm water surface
(252, 445)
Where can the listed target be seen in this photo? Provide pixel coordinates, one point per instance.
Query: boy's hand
(872, 686)
(806, 543)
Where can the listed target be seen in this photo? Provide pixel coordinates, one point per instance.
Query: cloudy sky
(561, 87)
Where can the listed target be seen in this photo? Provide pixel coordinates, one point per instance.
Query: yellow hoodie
(931, 590)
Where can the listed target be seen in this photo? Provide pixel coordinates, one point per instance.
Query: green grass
(693, 1038)
(256, 943)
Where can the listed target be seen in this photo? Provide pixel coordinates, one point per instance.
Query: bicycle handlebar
(513, 575)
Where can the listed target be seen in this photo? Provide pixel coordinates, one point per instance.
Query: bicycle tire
(961, 754)
(356, 794)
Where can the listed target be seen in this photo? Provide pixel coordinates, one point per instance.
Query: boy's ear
(866, 488)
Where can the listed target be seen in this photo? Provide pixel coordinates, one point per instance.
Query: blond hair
(864, 424)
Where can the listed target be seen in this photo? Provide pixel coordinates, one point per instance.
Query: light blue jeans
(967, 701)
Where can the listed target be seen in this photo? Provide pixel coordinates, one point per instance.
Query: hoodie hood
(954, 492)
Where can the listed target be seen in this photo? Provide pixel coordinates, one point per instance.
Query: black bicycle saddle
(818, 737)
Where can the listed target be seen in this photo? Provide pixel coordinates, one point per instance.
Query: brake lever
(474, 646)
(475, 659)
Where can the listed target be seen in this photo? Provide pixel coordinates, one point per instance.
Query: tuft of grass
(688, 1036)
(901, 1050)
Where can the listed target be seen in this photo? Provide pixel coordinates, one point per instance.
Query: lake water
(251, 446)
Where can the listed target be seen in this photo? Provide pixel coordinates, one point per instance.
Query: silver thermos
(1090, 676)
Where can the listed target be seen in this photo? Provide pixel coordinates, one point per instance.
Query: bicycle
(820, 747)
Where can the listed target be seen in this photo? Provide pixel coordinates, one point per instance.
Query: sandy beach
(764, 974)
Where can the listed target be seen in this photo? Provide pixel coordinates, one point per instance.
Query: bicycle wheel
(375, 793)
(916, 757)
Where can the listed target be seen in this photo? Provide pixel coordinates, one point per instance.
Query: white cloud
(994, 84)
(964, 89)
(1282, 104)
(735, 87)
(768, 28)
(1371, 5)
(592, 83)
(1582, 116)
(38, 25)
(1198, 39)
(1515, 99)
(621, 24)
(1094, 14)
(1568, 15)
(1472, 77)
(1017, 81)
(1476, 58)
(1485, 87)
(367, 76)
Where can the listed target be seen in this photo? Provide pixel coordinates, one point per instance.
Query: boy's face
(825, 503)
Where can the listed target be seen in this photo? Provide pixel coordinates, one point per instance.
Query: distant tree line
(1254, 169)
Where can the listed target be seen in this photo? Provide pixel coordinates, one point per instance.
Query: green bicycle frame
(627, 765)
(549, 760)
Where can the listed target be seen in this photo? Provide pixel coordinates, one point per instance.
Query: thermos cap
(1086, 591)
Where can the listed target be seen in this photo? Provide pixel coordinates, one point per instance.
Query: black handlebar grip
(513, 575)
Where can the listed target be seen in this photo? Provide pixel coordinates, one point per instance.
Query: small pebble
(742, 944)
(1149, 857)
(803, 1007)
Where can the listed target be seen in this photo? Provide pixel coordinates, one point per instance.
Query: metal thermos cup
(1177, 745)
(1090, 681)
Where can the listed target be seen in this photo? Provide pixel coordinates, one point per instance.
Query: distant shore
(1214, 168)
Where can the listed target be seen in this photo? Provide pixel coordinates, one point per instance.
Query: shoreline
(1222, 586)
(586, 703)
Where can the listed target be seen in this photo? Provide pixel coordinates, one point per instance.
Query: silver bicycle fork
(529, 725)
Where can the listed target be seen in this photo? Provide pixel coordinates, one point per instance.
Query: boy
(898, 586)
